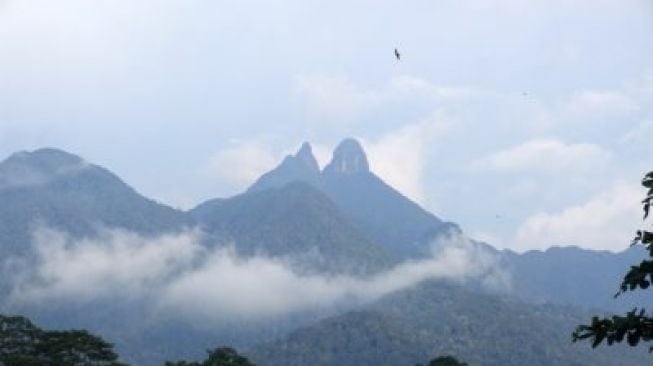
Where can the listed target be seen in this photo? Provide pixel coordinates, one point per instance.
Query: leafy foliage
(636, 325)
(446, 361)
(222, 356)
(415, 324)
(24, 344)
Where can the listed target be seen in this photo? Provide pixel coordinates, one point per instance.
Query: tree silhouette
(637, 324)
(221, 356)
(24, 344)
(446, 361)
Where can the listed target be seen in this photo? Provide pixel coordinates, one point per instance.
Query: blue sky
(527, 122)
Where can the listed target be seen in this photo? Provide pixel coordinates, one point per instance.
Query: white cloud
(174, 275)
(400, 157)
(119, 262)
(488, 238)
(600, 103)
(606, 222)
(263, 287)
(241, 164)
(340, 100)
(545, 155)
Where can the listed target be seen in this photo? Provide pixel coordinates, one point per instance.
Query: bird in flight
(397, 55)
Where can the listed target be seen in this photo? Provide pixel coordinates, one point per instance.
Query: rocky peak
(348, 158)
(305, 155)
(301, 167)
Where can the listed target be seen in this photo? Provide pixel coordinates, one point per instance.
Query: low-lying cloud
(177, 275)
(116, 263)
(604, 222)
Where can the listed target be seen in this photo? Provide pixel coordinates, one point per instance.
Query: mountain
(387, 216)
(296, 222)
(301, 167)
(418, 324)
(62, 191)
(566, 276)
(342, 219)
(575, 276)
(390, 219)
(59, 190)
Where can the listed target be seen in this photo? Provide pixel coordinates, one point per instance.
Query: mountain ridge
(75, 196)
(434, 319)
(347, 212)
(388, 217)
(295, 219)
(61, 190)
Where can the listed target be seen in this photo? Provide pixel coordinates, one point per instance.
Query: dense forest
(24, 344)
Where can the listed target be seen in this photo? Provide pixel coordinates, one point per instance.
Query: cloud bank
(176, 275)
(239, 165)
(400, 157)
(585, 224)
(548, 155)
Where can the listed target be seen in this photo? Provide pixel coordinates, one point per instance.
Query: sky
(526, 122)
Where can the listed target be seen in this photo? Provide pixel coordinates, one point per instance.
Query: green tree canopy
(637, 324)
(221, 356)
(446, 361)
(24, 344)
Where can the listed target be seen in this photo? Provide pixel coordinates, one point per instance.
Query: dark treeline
(24, 344)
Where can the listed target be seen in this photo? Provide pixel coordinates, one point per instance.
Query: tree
(446, 361)
(637, 324)
(221, 356)
(24, 344)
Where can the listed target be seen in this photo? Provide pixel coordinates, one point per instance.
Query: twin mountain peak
(53, 177)
(348, 159)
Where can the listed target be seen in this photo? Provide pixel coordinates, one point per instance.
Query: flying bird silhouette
(397, 55)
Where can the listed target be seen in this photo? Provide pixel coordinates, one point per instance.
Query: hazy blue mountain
(297, 222)
(388, 217)
(385, 215)
(50, 187)
(559, 275)
(301, 167)
(433, 319)
(575, 276)
(54, 188)
(341, 219)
